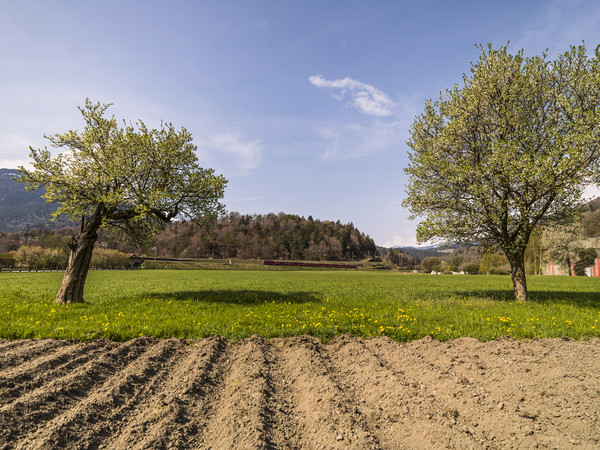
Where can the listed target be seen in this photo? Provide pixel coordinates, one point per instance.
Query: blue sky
(305, 106)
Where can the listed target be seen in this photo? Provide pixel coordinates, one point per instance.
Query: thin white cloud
(366, 98)
(559, 24)
(370, 136)
(229, 153)
(14, 149)
(354, 140)
(261, 24)
(247, 199)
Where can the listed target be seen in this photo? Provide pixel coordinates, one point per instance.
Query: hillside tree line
(270, 236)
(234, 235)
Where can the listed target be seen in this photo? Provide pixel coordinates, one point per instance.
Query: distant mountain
(593, 205)
(19, 208)
(419, 253)
(429, 250)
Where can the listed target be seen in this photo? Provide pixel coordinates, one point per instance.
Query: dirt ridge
(299, 393)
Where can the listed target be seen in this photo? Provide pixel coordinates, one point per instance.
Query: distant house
(552, 268)
(595, 269)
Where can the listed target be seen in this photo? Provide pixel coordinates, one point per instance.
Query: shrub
(7, 259)
(29, 255)
(33, 255)
(103, 258)
(471, 269)
(53, 257)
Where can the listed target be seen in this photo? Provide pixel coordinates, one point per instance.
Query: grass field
(324, 303)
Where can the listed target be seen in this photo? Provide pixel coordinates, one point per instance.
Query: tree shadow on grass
(584, 299)
(238, 297)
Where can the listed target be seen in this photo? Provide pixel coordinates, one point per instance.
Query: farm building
(551, 268)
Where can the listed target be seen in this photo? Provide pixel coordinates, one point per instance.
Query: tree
(399, 258)
(431, 264)
(560, 244)
(587, 258)
(455, 263)
(511, 147)
(491, 260)
(133, 178)
(534, 254)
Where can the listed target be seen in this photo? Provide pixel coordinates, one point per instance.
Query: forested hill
(270, 236)
(273, 236)
(20, 209)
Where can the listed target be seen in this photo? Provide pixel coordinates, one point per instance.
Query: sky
(304, 106)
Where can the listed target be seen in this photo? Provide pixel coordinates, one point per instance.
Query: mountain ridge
(20, 209)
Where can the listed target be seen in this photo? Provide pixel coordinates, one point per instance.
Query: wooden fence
(51, 268)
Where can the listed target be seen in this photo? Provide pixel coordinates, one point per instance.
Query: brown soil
(299, 393)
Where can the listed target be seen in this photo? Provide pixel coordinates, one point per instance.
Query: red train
(309, 264)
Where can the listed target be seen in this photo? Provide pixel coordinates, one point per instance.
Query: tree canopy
(511, 147)
(270, 236)
(131, 178)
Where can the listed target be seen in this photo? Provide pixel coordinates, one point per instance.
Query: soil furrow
(282, 426)
(441, 400)
(42, 404)
(328, 416)
(403, 412)
(7, 344)
(19, 380)
(297, 393)
(175, 415)
(19, 354)
(486, 392)
(104, 411)
(241, 417)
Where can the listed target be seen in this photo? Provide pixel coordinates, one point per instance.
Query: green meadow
(236, 304)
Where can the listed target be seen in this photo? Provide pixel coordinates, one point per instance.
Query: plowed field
(299, 393)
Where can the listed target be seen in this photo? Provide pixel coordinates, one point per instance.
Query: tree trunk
(517, 273)
(71, 290)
